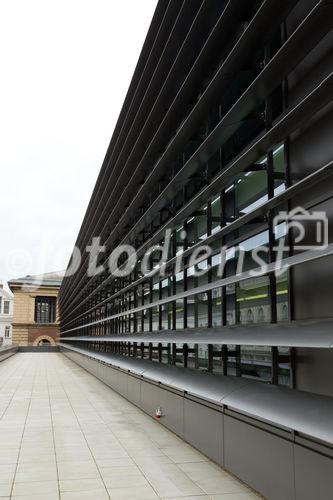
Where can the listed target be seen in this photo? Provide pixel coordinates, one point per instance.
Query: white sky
(65, 68)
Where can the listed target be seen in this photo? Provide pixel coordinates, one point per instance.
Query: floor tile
(91, 443)
(77, 470)
(35, 488)
(5, 489)
(86, 495)
(236, 496)
(214, 486)
(133, 493)
(43, 496)
(7, 473)
(80, 484)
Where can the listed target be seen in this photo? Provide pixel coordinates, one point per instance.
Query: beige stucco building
(6, 316)
(35, 316)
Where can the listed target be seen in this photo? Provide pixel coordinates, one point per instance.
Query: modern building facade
(35, 318)
(6, 316)
(225, 130)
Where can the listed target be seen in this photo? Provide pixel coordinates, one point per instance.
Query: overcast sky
(65, 68)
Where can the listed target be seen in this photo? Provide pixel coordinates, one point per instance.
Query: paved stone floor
(65, 435)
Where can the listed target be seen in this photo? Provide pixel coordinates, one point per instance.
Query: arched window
(44, 342)
(261, 315)
(249, 316)
(285, 312)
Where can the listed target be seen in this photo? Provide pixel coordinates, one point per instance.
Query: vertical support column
(210, 360)
(174, 354)
(185, 355)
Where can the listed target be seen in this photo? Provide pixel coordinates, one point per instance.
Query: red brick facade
(35, 333)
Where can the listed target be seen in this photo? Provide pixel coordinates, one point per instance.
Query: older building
(6, 316)
(35, 318)
(225, 130)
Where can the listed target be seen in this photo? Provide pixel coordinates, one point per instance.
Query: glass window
(155, 315)
(6, 307)
(282, 280)
(256, 362)
(197, 227)
(145, 315)
(244, 299)
(45, 309)
(250, 191)
(252, 297)
(216, 214)
(217, 307)
(180, 313)
(197, 311)
(202, 305)
(279, 159)
(166, 309)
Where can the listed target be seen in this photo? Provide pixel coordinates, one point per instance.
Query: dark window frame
(45, 310)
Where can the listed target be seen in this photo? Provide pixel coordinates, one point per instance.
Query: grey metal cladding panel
(6, 349)
(260, 459)
(112, 378)
(105, 373)
(310, 150)
(100, 371)
(210, 387)
(313, 288)
(304, 412)
(173, 411)
(159, 372)
(150, 397)
(134, 390)
(314, 371)
(7, 353)
(308, 413)
(311, 70)
(203, 428)
(213, 388)
(136, 366)
(313, 475)
(93, 368)
(316, 333)
(122, 384)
